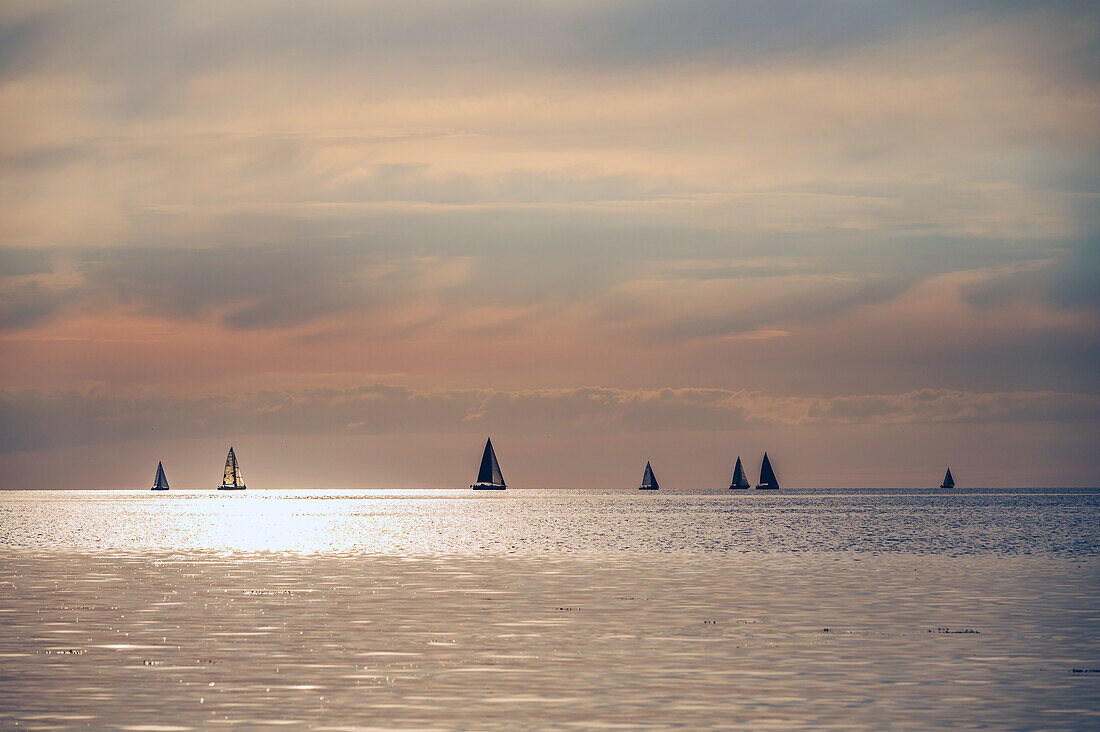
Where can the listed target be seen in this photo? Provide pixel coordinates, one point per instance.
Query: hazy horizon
(353, 241)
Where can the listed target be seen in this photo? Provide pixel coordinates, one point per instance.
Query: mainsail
(489, 474)
(649, 481)
(232, 478)
(767, 475)
(740, 480)
(948, 481)
(160, 483)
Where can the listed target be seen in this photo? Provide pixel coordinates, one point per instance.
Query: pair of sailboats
(232, 480)
(768, 480)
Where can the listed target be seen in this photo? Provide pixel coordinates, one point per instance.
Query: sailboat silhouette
(160, 483)
(767, 476)
(489, 477)
(740, 480)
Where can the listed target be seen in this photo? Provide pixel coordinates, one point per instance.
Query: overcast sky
(355, 238)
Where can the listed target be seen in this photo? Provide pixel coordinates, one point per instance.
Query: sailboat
(489, 477)
(948, 481)
(740, 480)
(233, 480)
(767, 476)
(160, 483)
(649, 481)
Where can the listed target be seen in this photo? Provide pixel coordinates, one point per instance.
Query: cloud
(21, 262)
(612, 193)
(38, 420)
(1076, 277)
(578, 283)
(1076, 282)
(29, 304)
(942, 405)
(745, 305)
(164, 40)
(246, 287)
(1071, 281)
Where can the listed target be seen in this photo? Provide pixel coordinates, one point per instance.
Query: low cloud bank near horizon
(33, 420)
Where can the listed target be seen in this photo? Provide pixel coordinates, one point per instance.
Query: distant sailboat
(233, 480)
(767, 476)
(160, 483)
(489, 477)
(649, 481)
(740, 480)
(948, 481)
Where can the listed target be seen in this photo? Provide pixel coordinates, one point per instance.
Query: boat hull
(488, 487)
(739, 487)
(231, 487)
(158, 489)
(767, 487)
(647, 488)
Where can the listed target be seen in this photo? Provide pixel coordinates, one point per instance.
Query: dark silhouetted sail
(489, 476)
(232, 480)
(649, 482)
(767, 475)
(948, 481)
(740, 480)
(160, 483)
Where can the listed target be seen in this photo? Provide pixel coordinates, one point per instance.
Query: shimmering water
(570, 609)
(442, 522)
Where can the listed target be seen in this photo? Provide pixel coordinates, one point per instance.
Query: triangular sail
(948, 481)
(160, 483)
(232, 477)
(767, 475)
(648, 479)
(489, 473)
(740, 480)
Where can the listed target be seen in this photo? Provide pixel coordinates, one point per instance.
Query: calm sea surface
(362, 610)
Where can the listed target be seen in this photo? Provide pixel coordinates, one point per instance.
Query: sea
(550, 609)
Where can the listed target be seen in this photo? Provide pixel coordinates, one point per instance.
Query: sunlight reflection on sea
(562, 609)
(449, 522)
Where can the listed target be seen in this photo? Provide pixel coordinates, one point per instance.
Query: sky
(353, 239)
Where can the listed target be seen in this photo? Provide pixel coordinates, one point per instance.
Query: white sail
(232, 478)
